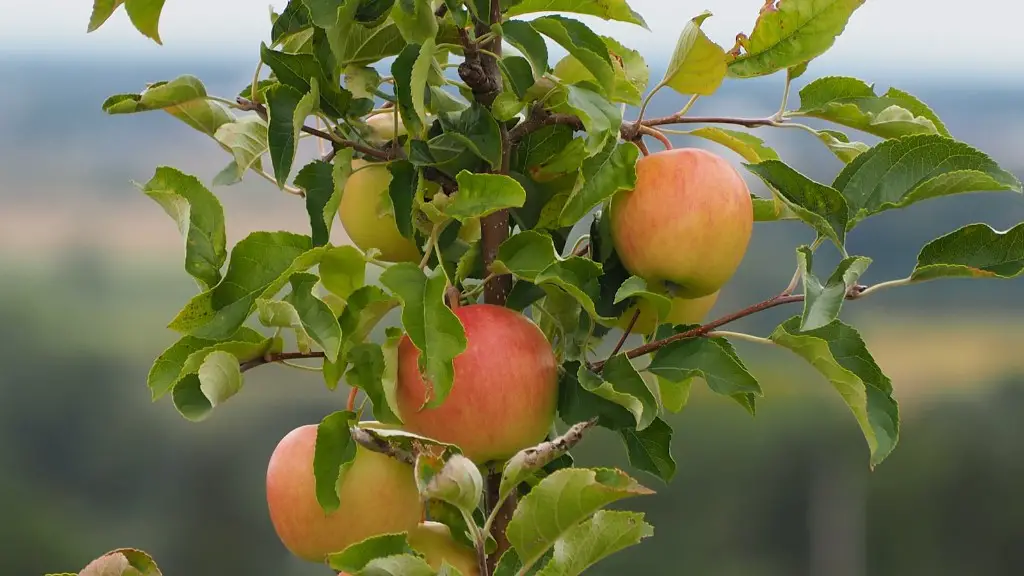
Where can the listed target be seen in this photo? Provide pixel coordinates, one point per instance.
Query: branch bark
(279, 357)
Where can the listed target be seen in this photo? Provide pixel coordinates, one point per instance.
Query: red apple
(378, 496)
(505, 390)
(688, 221)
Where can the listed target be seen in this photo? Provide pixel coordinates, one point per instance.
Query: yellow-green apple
(378, 496)
(688, 221)
(361, 215)
(683, 311)
(434, 540)
(505, 389)
(383, 127)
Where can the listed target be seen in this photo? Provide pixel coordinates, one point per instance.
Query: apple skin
(688, 220)
(684, 311)
(378, 496)
(358, 213)
(382, 127)
(505, 390)
(434, 540)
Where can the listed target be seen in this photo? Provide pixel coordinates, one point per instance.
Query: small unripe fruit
(378, 496)
(360, 214)
(688, 221)
(505, 390)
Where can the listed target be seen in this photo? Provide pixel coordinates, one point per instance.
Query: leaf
(698, 65)
(246, 139)
(527, 462)
(316, 179)
(455, 480)
(611, 170)
(145, 16)
(600, 536)
(342, 270)
(294, 19)
(433, 328)
(583, 44)
(748, 146)
(402, 193)
(259, 266)
(480, 129)
(853, 103)
(531, 256)
(529, 42)
(823, 302)
(789, 33)
(974, 251)
(903, 171)
(606, 10)
(302, 311)
(166, 369)
(713, 360)
(300, 71)
(185, 98)
(288, 111)
(482, 194)
(200, 218)
(650, 449)
(631, 72)
(415, 20)
(839, 353)
(619, 382)
(122, 562)
(561, 501)
(820, 206)
(366, 307)
(577, 404)
(102, 10)
(636, 288)
(601, 119)
(358, 556)
(674, 395)
(403, 70)
(341, 172)
(518, 73)
(840, 145)
(332, 455)
(324, 13)
(358, 45)
(368, 374)
(418, 79)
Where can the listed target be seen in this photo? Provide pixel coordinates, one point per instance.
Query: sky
(931, 37)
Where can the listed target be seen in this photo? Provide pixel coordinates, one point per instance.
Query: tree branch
(249, 106)
(279, 357)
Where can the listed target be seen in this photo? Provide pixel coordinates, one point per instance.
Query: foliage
(489, 180)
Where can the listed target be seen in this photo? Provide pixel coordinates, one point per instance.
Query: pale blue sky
(945, 37)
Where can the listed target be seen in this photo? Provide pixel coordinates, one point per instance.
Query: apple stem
(352, 394)
(453, 297)
(642, 146)
(656, 134)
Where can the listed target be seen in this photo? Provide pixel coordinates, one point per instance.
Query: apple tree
(507, 223)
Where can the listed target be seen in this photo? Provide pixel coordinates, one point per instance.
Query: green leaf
(402, 193)
(455, 480)
(611, 170)
(306, 313)
(366, 307)
(145, 16)
(903, 171)
(840, 145)
(480, 129)
(359, 556)
(369, 373)
(343, 270)
(603, 534)
(259, 266)
(601, 119)
(853, 103)
(415, 20)
(974, 251)
(619, 382)
(606, 9)
(675, 395)
(102, 10)
(333, 454)
(316, 179)
(540, 147)
(578, 404)
(823, 302)
(294, 19)
(529, 42)
(433, 328)
(636, 288)
(358, 45)
(527, 462)
(531, 256)
(789, 33)
(518, 74)
(122, 562)
(713, 360)
(200, 218)
(246, 139)
(323, 13)
(299, 71)
(288, 112)
(560, 502)
(483, 194)
(418, 79)
(748, 146)
(820, 206)
(341, 172)
(839, 353)
(769, 209)
(698, 65)
(583, 44)
(166, 369)
(404, 69)
(185, 98)
(631, 72)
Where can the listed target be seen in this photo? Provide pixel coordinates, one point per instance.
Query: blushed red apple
(688, 221)
(505, 390)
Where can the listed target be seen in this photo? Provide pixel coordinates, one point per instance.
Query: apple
(683, 311)
(687, 221)
(383, 127)
(505, 388)
(378, 496)
(434, 541)
(361, 216)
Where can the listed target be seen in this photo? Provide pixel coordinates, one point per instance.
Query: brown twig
(248, 105)
(657, 135)
(625, 334)
(351, 404)
(279, 357)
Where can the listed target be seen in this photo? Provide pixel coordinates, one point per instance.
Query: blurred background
(90, 273)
